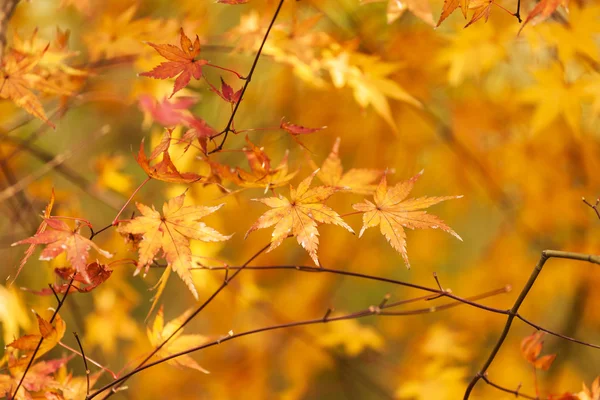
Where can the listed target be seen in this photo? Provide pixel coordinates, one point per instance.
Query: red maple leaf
(182, 62)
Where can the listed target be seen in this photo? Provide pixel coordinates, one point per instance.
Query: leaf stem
(116, 220)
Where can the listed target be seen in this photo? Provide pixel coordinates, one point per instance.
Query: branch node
(384, 301)
(326, 316)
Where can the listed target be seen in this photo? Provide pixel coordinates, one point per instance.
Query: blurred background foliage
(510, 122)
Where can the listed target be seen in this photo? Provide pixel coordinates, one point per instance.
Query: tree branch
(327, 318)
(513, 312)
(228, 128)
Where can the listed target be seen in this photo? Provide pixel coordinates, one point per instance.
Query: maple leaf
(182, 62)
(592, 393)
(16, 83)
(96, 272)
(110, 175)
(199, 130)
(227, 93)
(355, 180)
(294, 129)
(482, 9)
(164, 170)
(60, 238)
(392, 212)
(171, 232)
(451, 5)
(395, 8)
(40, 229)
(29, 343)
(531, 347)
(166, 112)
(39, 378)
(544, 9)
(261, 174)
(299, 216)
(161, 331)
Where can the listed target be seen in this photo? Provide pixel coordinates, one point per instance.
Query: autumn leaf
(171, 232)
(166, 112)
(261, 175)
(60, 238)
(294, 129)
(392, 212)
(482, 9)
(355, 180)
(39, 378)
(531, 347)
(299, 216)
(451, 5)
(396, 8)
(543, 10)
(160, 331)
(227, 93)
(17, 81)
(41, 229)
(96, 272)
(591, 393)
(27, 344)
(182, 62)
(232, 2)
(110, 175)
(164, 170)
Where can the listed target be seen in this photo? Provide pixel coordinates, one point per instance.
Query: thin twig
(303, 268)
(228, 128)
(369, 311)
(513, 312)
(60, 304)
(515, 393)
(593, 206)
(188, 319)
(87, 370)
(570, 339)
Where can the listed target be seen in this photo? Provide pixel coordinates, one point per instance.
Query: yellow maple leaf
(592, 393)
(171, 233)
(110, 321)
(368, 77)
(161, 331)
(110, 175)
(356, 180)
(554, 96)
(395, 8)
(27, 344)
(17, 83)
(353, 336)
(392, 212)
(299, 216)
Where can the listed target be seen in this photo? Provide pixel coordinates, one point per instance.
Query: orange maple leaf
(482, 9)
(451, 5)
(17, 81)
(299, 216)
(356, 180)
(60, 238)
(161, 331)
(531, 347)
(392, 212)
(182, 62)
(164, 170)
(544, 9)
(40, 229)
(261, 174)
(39, 378)
(171, 233)
(27, 344)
